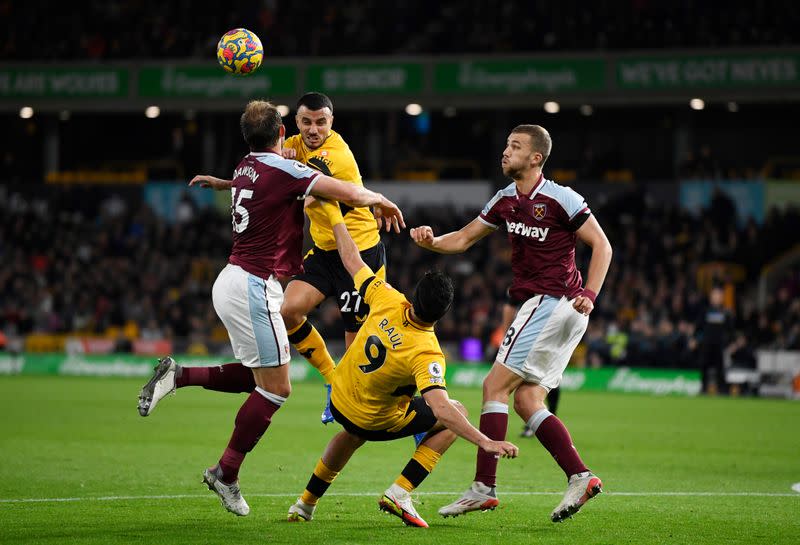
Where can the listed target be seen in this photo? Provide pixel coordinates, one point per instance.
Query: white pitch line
(366, 494)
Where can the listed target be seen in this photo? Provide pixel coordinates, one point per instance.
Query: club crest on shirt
(539, 211)
(299, 166)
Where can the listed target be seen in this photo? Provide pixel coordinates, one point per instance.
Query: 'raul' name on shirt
(396, 339)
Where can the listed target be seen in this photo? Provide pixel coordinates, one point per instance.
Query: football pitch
(79, 465)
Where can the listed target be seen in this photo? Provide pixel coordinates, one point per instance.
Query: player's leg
(555, 437)
(338, 452)
(249, 308)
(552, 406)
(543, 369)
(396, 499)
(482, 495)
(168, 376)
(300, 298)
(303, 294)
(252, 420)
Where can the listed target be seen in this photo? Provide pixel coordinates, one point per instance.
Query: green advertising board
(46, 82)
(520, 76)
(365, 78)
(611, 379)
(709, 71)
(213, 82)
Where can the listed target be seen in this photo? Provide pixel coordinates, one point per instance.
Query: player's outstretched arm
(348, 251)
(451, 243)
(204, 180)
(356, 195)
(439, 402)
(592, 234)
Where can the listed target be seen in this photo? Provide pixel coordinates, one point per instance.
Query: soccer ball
(239, 52)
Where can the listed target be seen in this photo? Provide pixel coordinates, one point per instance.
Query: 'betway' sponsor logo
(527, 231)
(626, 380)
(250, 172)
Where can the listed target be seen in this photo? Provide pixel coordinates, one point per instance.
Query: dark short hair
(315, 101)
(261, 125)
(432, 296)
(540, 139)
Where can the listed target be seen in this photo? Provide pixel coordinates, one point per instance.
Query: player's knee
(526, 406)
(459, 406)
(292, 314)
(283, 390)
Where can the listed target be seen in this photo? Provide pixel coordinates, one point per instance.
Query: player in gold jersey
(322, 148)
(394, 354)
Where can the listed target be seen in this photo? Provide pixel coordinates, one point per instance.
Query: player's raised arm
(356, 195)
(451, 243)
(348, 251)
(592, 235)
(204, 180)
(439, 402)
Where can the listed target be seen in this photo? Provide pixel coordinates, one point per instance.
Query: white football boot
(161, 384)
(581, 488)
(228, 494)
(478, 497)
(397, 501)
(301, 512)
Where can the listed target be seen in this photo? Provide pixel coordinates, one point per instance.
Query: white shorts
(541, 339)
(250, 308)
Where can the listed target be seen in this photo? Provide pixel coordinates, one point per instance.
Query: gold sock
(319, 482)
(308, 342)
(419, 467)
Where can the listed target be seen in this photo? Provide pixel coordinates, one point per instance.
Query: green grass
(82, 438)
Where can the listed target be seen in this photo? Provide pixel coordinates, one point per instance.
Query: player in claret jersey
(267, 193)
(322, 275)
(543, 221)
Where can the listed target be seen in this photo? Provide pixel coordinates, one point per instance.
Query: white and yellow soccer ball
(240, 52)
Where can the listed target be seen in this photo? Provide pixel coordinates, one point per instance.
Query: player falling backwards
(267, 193)
(543, 221)
(394, 354)
(322, 275)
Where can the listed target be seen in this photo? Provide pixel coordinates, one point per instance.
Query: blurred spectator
(69, 267)
(714, 334)
(102, 30)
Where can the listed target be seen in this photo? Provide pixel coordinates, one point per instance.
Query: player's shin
(309, 343)
(318, 484)
(418, 468)
(252, 420)
(494, 424)
(555, 437)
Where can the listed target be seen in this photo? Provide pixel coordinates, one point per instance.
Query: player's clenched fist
(422, 235)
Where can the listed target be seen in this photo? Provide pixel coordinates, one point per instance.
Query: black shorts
(421, 423)
(325, 271)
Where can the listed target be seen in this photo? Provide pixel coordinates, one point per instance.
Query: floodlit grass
(676, 470)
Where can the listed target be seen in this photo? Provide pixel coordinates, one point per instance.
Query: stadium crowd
(355, 27)
(75, 263)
